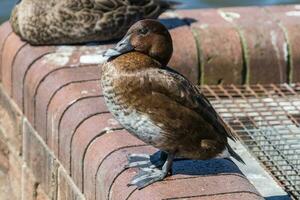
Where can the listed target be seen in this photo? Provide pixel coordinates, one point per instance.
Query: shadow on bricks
(175, 22)
(202, 167)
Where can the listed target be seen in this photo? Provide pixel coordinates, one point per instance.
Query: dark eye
(143, 31)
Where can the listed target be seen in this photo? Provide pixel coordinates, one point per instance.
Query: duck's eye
(143, 31)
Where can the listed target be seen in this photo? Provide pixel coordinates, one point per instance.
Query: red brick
(73, 117)
(215, 173)
(200, 18)
(66, 188)
(11, 120)
(61, 101)
(263, 43)
(39, 71)
(5, 30)
(119, 188)
(52, 83)
(39, 159)
(291, 25)
(98, 150)
(35, 74)
(229, 196)
(185, 57)
(93, 127)
(12, 45)
(195, 186)
(111, 168)
(25, 58)
(219, 44)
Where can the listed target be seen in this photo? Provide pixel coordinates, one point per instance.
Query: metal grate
(267, 120)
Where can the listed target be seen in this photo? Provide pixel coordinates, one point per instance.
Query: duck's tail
(234, 154)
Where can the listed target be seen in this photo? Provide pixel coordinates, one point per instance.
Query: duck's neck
(135, 61)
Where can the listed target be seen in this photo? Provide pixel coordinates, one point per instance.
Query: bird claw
(147, 176)
(138, 160)
(156, 160)
(152, 168)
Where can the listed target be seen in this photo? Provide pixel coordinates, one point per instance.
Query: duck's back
(77, 21)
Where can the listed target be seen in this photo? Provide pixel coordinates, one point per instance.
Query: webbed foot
(156, 160)
(150, 173)
(147, 176)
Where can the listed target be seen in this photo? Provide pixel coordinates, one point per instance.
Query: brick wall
(58, 140)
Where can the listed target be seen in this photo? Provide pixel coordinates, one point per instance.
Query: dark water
(6, 5)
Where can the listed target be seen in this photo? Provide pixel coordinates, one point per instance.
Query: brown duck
(43, 22)
(158, 105)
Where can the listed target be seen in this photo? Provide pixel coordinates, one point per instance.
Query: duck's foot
(149, 175)
(156, 160)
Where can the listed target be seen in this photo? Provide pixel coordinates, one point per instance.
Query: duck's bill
(122, 47)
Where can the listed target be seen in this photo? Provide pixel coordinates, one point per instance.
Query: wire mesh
(267, 120)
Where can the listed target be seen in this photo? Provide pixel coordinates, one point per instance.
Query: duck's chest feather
(123, 93)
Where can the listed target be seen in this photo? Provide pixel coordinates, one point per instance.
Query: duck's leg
(156, 160)
(147, 176)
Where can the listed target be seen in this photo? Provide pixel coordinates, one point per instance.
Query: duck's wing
(172, 84)
(145, 8)
(114, 17)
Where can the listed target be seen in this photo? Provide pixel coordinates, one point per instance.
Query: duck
(160, 106)
(52, 22)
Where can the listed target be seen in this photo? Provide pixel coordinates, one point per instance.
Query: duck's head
(149, 37)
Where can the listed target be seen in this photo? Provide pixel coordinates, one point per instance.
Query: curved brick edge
(264, 44)
(91, 128)
(185, 53)
(109, 142)
(37, 72)
(288, 19)
(60, 103)
(53, 82)
(219, 46)
(106, 190)
(5, 31)
(11, 48)
(27, 56)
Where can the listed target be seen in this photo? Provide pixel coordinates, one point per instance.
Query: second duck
(44, 22)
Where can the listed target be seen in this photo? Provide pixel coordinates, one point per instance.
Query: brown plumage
(159, 105)
(43, 22)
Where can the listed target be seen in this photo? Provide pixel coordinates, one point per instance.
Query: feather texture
(43, 22)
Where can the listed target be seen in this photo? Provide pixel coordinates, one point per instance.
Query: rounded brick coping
(60, 103)
(64, 151)
(5, 31)
(26, 57)
(91, 128)
(52, 83)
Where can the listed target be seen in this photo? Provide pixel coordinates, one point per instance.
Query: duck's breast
(123, 102)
